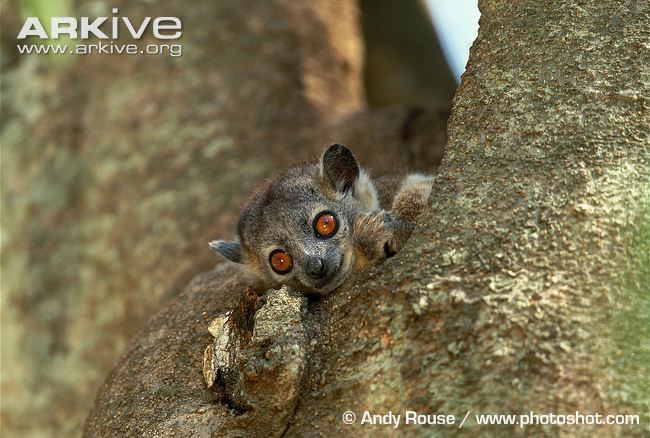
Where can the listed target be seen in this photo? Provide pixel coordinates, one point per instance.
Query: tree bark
(525, 288)
(118, 170)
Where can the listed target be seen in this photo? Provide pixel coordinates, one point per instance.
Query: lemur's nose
(315, 267)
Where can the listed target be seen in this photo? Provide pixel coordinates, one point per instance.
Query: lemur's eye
(281, 262)
(326, 224)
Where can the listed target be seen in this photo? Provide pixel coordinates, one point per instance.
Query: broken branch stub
(259, 354)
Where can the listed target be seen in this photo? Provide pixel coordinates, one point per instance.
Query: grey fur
(281, 214)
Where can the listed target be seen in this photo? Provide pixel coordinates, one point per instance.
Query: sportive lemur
(312, 225)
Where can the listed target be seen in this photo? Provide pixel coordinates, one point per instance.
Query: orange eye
(325, 224)
(281, 262)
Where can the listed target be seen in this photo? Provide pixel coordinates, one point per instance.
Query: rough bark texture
(526, 287)
(117, 171)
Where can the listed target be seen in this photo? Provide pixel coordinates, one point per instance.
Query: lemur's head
(297, 229)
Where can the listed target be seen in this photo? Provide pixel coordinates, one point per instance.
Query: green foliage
(45, 10)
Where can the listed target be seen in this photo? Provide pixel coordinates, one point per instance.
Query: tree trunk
(525, 288)
(118, 170)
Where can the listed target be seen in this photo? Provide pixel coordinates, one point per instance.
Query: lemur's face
(298, 229)
(303, 239)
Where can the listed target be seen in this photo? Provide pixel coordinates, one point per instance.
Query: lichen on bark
(525, 287)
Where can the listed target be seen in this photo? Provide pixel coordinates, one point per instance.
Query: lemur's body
(313, 224)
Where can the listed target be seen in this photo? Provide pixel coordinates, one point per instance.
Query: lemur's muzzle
(316, 267)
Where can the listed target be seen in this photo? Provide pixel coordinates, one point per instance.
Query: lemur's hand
(378, 235)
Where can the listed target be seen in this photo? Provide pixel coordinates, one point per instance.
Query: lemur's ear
(230, 250)
(340, 167)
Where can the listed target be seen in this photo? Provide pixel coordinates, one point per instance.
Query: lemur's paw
(372, 235)
(378, 236)
(412, 197)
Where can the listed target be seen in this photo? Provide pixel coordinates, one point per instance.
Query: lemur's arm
(380, 234)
